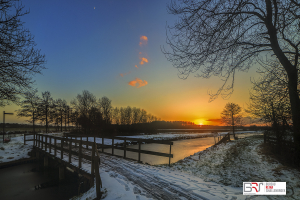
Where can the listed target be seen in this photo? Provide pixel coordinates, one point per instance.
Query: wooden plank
(147, 152)
(144, 140)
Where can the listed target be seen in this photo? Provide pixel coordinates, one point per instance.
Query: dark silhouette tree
(230, 115)
(19, 58)
(44, 107)
(106, 109)
(82, 105)
(225, 36)
(29, 107)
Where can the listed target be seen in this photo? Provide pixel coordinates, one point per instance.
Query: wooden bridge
(79, 156)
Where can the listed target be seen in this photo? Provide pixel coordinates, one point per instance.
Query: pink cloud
(143, 60)
(138, 82)
(136, 66)
(143, 40)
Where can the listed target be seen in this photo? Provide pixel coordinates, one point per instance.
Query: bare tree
(269, 99)
(106, 109)
(45, 104)
(225, 36)
(116, 115)
(29, 107)
(19, 59)
(230, 115)
(84, 105)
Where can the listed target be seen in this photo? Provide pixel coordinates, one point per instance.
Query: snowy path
(159, 183)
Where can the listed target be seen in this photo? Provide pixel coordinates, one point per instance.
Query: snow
(216, 173)
(14, 150)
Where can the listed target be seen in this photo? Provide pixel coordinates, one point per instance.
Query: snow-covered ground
(216, 173)
(14, 150)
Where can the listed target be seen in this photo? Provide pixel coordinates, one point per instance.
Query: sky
(112, 48)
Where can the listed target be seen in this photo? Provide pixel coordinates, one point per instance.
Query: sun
(199, 122)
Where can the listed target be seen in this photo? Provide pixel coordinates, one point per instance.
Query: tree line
(85, 112)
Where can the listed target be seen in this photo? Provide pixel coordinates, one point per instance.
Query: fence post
(50, 138)
(170, 157)
(112, 145)
(24, 138)
(87, 146)
(265, 137)
(139, 151)
(124, 148)
(102, 144)
(62, 148)
(93, 159)
(97, 176)
(46, 140)
(55, 148)
(70, 148)
(42, 146)
(80, 152)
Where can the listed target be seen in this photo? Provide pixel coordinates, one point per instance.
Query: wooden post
(61, 148)
(46, 140)
(102, 144)
(94, 139)
(50, 138)
(112, 145)
(124, 148)
(93, 159)
(97, 175)
(24, 138)
(39, 140)
(80, 153)
(70, 154)
(139, 160)
(55, 148)
(42, 142)
(170, 157)
(87, 146)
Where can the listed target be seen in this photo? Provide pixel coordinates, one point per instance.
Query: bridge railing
(125, 147)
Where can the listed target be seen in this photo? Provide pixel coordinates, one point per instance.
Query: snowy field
(216, 173)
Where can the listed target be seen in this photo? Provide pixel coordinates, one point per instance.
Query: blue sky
(95, 45)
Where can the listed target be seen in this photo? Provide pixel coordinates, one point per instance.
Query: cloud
(143, 40)
(136, 66)
(123, 74)
(214, 120)
(143, 60)
(138, 82)
(140, 52)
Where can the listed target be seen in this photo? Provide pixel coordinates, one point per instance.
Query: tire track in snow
(154, 186)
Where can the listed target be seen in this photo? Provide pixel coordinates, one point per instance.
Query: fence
(222, 139)
(288, 149)
(125, 145)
